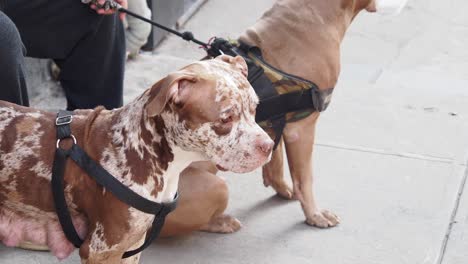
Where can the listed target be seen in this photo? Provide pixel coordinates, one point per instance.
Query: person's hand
(97, 5)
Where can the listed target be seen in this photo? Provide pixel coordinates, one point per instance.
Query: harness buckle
(63, 120)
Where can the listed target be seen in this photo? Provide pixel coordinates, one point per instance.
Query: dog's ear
(166, 90)
(237, 62)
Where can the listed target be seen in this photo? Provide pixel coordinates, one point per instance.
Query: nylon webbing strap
(58, 194)
(284, 103)
(121, 191)
(103, 178)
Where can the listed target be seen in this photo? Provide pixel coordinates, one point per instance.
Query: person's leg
(13, 85)
(89, 48)
(93, 73)
(137, 31)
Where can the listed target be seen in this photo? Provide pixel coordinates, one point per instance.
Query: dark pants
(89, 49)
(12, 84)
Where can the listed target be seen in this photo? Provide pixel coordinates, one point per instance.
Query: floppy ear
(165, 90)
(237, 62)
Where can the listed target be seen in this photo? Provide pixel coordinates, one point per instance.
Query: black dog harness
(283, 97)
(103, 178)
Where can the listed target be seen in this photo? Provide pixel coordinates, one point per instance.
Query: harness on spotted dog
(103, 178)
(284, 98)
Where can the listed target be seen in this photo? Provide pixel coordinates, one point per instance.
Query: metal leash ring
(108, 4)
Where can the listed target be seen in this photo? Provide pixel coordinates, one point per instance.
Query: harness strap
(58, 194)
(278, 124)
(103, 178)
(286, 103)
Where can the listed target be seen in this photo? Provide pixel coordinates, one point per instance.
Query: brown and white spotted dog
(204, 111)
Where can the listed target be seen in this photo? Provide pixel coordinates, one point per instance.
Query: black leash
(103, 178)
(187, 35)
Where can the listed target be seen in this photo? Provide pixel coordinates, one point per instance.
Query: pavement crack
(407, 155)
(452, 218)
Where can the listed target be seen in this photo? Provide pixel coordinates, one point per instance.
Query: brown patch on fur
(39, 192)
(141, 170)
(162, 149)
(9, 139)
(23, 126)
(190, 110)
(222, 129)
(159, 187)
(239, 134)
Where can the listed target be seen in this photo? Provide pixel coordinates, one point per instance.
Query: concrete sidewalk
(390, 157)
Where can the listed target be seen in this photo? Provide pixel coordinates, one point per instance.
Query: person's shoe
(54, 71)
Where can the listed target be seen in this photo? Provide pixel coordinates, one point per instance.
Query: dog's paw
(323, 219)
(283, 190)
(280, 186)
(222, 224)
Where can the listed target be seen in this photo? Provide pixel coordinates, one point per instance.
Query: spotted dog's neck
(146, 159)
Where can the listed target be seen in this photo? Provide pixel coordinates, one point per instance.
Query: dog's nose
(265, 145)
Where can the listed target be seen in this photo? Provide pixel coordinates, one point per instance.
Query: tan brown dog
(299, 37)
(203, 112)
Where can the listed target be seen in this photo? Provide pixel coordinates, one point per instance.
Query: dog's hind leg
(299, 143)
(203, 199)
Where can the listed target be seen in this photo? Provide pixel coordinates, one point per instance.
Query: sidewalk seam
(407, 155)
(452, 217)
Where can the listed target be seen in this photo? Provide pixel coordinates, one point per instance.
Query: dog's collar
(283, 97)
(103, 178)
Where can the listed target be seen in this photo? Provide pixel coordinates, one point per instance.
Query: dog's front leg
(91, 256)
(273, 174)
(100, 248)
(136, 258)
(203, 199)
(299, 141)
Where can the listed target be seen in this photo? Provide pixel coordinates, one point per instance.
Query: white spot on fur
(25, 146)
(41, 170)
(6, 116)
(98, 241)
(182, 159)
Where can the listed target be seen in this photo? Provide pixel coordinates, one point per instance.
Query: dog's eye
(226, 120)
